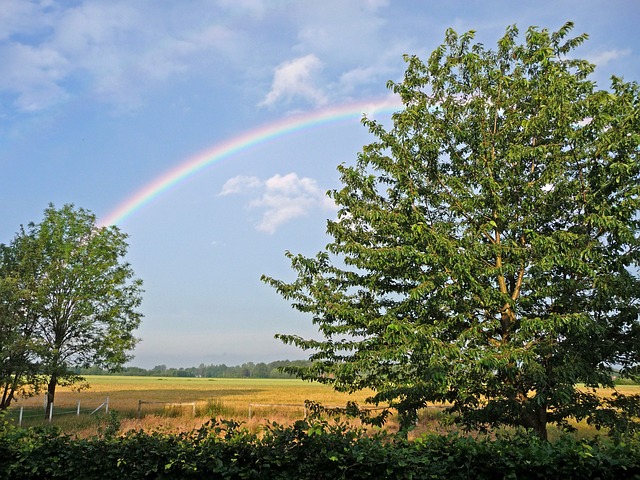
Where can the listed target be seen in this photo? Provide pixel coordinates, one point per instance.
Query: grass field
(214, 398)
(124, 392)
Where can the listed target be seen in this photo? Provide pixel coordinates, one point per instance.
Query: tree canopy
(485, 253)
(67, 299)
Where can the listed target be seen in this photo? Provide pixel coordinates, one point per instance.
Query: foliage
(71, 297)
(307, 450)
(486, 249)
(18, 367)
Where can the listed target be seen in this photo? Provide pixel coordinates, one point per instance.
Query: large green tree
(67, 283)
(486, 249)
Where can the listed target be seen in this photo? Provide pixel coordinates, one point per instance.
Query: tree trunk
(9, 391)
(51, 393)
(536, 420)
(407, 419)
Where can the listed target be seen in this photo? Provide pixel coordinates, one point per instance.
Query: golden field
(226, 398)
(236, 393)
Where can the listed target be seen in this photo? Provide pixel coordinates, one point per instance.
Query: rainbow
(246, 140)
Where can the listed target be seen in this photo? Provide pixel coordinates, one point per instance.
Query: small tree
(18, 360)
(486, 248)
(79, 295)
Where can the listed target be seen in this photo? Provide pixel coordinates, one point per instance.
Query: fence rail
(51, 412)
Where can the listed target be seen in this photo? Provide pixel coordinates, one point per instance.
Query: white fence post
(50, 411)
(78, 409)
(20, 418)
(106, 408)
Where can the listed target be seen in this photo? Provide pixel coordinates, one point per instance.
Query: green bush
(625, 381)
(307, 450)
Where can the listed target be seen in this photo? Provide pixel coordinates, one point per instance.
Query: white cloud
(113, 51)
(375, 4)
(18, 16)
(295, 78)
(240, 184)
(358, 76)
(119, 52)
(33, 74)
(280, 198)
(354, 42)
(346, 32)
(124, 50)
(254, 8)
(602, 58)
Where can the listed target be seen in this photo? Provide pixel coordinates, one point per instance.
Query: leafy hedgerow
(307, 450)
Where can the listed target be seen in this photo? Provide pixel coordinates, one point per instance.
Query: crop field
(279, 400)
(125, 392)
(274, 400)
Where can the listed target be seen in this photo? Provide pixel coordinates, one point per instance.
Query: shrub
(307, 450)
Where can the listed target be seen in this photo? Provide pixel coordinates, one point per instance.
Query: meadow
(226, 398)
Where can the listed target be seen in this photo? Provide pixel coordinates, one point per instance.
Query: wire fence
(25, 414)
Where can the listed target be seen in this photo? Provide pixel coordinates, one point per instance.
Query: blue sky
(99, 98)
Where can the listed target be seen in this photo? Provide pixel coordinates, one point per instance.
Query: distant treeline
(246, 370)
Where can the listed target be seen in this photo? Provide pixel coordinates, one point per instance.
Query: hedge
(307, 450)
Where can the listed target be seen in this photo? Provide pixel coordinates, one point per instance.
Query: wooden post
(194, 409)
(249, 411)
(106, 408)
(139, 408)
